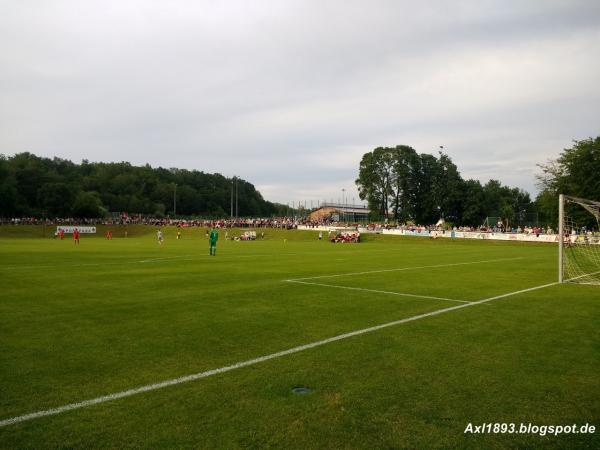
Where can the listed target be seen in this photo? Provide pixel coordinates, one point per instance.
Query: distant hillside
(35, 186)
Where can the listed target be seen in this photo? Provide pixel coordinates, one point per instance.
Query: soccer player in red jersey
(76, 236)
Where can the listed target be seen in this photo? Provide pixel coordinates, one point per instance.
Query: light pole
(174, 200)
(344, 202)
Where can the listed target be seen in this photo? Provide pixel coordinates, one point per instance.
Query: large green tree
(574, 173)
(474, 207)
(406, 166)
(375, 179)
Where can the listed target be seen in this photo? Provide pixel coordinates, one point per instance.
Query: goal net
(579, 247)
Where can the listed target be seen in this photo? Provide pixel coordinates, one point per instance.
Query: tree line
(422, 188)
(42, 187)
(397, 182)
(400, 183)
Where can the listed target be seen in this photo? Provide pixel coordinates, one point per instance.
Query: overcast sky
(290, 94)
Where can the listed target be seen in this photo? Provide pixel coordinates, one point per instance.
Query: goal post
(578, 240)
(561, 233)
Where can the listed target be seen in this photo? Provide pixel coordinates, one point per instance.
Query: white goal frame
(590, 205)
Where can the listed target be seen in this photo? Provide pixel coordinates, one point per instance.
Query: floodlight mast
(344, 202)
(234, 187)
(561, 233)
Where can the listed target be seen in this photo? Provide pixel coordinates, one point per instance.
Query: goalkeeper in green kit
(212, 238)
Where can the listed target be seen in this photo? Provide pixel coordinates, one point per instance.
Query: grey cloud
(302, 88)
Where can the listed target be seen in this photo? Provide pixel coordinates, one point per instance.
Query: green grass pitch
(81, 322)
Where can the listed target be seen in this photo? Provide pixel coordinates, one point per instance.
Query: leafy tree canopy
(399, 182)
(575, 173)
(35, 186)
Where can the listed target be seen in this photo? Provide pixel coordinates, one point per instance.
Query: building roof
(347, 208)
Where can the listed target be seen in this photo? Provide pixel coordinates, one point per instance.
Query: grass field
(82, 322)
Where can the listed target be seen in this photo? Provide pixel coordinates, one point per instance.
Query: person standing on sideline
(213, 237)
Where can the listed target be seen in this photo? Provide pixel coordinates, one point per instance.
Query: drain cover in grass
(301, 390)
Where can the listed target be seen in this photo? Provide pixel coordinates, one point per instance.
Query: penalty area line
(377, 291)
(435, 266)
(250, 362)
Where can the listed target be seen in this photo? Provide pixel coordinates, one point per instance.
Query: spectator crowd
(268, 222)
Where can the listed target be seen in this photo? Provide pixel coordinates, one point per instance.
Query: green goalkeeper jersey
(213, 236)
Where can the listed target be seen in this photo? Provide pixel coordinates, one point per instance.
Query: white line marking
(114, 263)
(522, 291)
(142, 261)
(167, 258)
(406, 268)
(378, 291)
(250, 362)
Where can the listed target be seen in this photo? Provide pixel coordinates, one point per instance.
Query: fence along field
(145, 315)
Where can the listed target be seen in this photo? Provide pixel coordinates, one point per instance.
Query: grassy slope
(76, 331)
